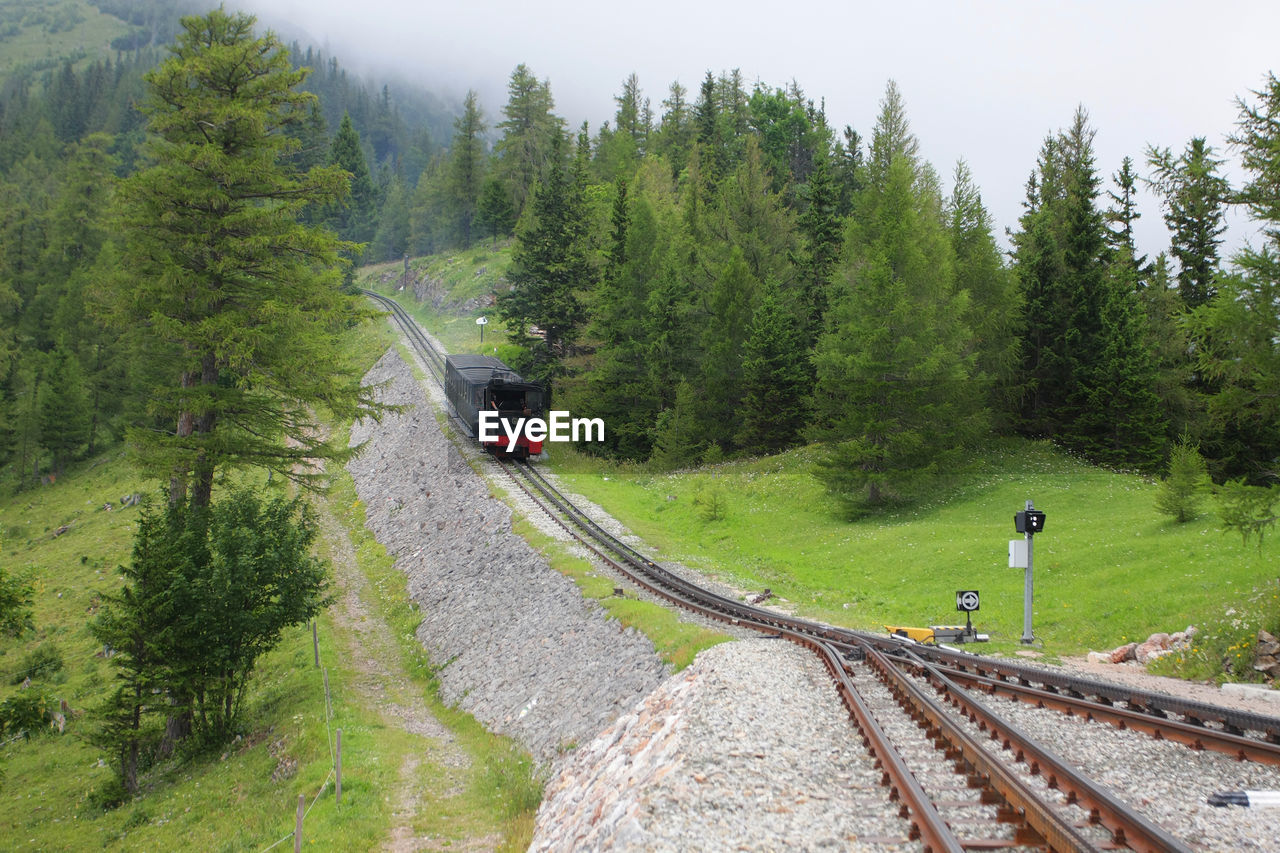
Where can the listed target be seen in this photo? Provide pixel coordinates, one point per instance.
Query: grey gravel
(516, 644)
(1168, 782)
(746, 749)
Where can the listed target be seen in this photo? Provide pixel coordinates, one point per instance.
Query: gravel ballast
(746, 749)
(517, 646)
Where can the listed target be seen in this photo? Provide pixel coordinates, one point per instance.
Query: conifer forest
(717, 271)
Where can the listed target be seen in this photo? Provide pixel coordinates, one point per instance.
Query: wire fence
(335, 757)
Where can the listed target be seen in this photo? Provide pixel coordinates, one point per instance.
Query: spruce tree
(1040, 264)
(1086, 364)
(550, 271)
(618, 386)
(1122, 420)
(776, 377)
(65, 409)
(1122, 215)
(495, 214)
(995, 304)
(1169, 345)
(355, 219)
(1195, 197)
(675, 131)
(822, 230)
(391, 240)
(730, 304)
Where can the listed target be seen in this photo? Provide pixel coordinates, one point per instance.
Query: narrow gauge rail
(1043, 824)
(835, 646)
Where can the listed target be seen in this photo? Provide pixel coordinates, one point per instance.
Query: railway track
(1026, 799)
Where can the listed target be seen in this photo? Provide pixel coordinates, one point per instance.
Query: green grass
(1108, 568)
(230, 800)
(45, 31)
(465, 283)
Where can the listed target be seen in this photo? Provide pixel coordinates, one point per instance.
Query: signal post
(1028, 522)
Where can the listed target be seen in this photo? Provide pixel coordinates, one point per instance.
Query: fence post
(328, 703)
(338, 798)
(297, 827)
(315, 641)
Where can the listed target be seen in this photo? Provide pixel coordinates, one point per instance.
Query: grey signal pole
(1027, 636)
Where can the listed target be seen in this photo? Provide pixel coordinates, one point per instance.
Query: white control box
(1017, 553)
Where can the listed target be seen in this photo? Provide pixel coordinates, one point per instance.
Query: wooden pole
(338, 797)
(297, 827)
(328, 703)
(315, 642)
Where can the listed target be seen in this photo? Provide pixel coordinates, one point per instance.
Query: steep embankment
(516, 644)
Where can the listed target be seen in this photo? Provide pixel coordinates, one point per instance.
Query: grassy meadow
(47, 31)
(1108, 568)
(243, 796)
(464, 280)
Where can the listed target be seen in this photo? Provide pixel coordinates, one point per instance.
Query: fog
(985, 81)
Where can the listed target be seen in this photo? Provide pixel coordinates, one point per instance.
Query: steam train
(481, 383)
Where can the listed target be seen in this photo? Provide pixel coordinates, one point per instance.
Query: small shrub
(41, 662)
(711, 504)
(511, 782)
(25, 714)
(110, 794)
(1182, 492)
(1247, 509)
(15, 606)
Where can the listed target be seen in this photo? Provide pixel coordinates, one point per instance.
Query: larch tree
(225, 287)
(529, 130)
(467, 163)
(893, 399)
(1236, 333)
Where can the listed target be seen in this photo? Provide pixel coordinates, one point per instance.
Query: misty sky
(985, 80)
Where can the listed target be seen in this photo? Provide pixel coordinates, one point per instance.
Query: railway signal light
(1028, 521)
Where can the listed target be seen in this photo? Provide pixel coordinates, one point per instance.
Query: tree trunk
(186, 426)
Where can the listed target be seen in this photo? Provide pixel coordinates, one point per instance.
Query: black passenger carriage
(479, 383)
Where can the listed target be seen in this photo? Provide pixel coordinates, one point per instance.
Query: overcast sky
(984, 80)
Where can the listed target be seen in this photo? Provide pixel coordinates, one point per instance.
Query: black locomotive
(475, 384)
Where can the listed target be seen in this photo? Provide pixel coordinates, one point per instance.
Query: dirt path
(371, 651)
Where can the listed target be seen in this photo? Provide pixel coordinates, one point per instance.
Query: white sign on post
(1017, 553)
